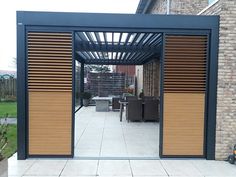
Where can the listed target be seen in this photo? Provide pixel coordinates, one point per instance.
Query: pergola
(48, 43)
(117, 48)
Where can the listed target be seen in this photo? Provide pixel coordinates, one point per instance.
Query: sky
(8, 18)
(210, 1)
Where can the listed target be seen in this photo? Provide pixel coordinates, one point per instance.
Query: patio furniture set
(145, 109)
(137, 109)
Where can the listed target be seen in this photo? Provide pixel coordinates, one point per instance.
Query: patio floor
(119, 168)
(101, 135)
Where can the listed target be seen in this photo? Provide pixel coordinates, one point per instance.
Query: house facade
(226, 89)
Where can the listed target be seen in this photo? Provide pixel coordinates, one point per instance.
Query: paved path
(9, 121)
(119, 168)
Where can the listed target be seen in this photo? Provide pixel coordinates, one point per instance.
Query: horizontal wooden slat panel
(43, 34)
(183, 126)
(51, 43)
(49, 55)
(50, 123)
(49, 46)
(185, 64)
(49, 63)
(49, 58)
(49, 49)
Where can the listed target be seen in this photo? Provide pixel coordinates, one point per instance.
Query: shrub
(3, 139)
(86, 95)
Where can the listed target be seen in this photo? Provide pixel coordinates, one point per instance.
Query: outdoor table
(122, 105)
(102, 103)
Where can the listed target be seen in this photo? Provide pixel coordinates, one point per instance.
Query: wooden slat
(50, 123)
(48, 55)
(185, 57)
(183, 131)
(43, 34)
(49, 63)
(49, 49)
(49, 58)
(51, 43)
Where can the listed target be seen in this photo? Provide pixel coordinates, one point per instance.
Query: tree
(97, 68)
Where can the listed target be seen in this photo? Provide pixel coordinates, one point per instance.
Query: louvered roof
(110, 48)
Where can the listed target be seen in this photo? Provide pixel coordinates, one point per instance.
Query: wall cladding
(226, 96)
(49, 93)
(184, 95)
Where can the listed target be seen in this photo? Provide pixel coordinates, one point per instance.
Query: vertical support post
(21, 92)
(82, 81)
(212, 92)
(162, 60)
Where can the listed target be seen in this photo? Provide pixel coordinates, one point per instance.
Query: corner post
(21, 90)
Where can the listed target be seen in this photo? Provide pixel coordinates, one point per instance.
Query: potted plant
(3, 144)
(86, 96)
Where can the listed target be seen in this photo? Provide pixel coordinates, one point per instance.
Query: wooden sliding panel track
(50, 93)
(184, 95)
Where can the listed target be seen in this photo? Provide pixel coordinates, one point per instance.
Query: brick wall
(151, 78)
(178, 6)
(129, 70)
(226, 97)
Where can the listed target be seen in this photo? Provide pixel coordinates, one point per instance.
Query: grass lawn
(11, 136)
(7, 107)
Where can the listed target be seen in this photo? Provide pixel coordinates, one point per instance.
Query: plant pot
(4, 168)
(85, 102)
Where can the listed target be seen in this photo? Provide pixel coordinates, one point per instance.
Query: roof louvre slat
(112, 47)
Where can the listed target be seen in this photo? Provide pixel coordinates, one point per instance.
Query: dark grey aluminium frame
(58, 21)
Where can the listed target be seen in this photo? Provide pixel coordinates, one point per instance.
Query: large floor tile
(114, 168)
(104, 131)
(180, 168)
(39, 176)
(78, 176)
(46, 168)
(147, 168)
(17, 167)
(87, 152)
(80, 168)
(215, 168)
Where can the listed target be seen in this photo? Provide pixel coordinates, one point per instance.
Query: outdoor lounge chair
(150, 112)
(134, 110)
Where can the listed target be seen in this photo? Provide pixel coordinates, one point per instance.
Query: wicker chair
(151, 110)
(128, 98)
(134, 110)
(115, 103)
(148, 98)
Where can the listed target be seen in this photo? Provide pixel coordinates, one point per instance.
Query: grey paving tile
(114, 168)
(215, 168)
(180, 168)
(147, 168)
(104, 131)
(80, 168)
(46, 168)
